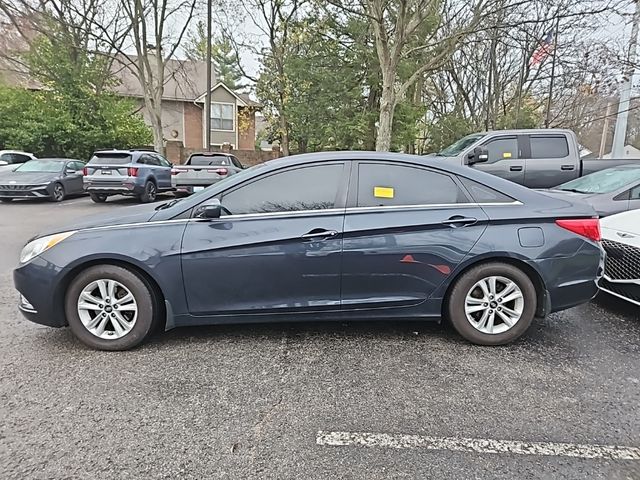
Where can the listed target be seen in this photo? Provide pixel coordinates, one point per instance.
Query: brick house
(233, 113)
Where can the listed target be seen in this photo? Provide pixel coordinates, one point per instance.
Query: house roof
(243, 98)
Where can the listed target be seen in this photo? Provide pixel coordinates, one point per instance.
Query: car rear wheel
(57, 193)
(110, 308)
(98, 197)
(492, 304)
(150, 192)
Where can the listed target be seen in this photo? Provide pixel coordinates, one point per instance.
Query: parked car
(540, 158)
(608, 191)
(324, 236)
(140, 173)
(621, 240)
(52, 178)
(202, 170)
(11, 159)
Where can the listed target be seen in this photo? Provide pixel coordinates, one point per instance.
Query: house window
(222, 116)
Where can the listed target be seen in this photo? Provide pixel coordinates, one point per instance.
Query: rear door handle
(459, 221)
(567, 167)
(515, 168)
(318, 233)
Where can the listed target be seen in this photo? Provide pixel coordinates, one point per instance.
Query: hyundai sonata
(325, 236)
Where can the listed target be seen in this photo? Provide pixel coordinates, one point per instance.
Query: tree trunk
(385, 121)
(284, 133)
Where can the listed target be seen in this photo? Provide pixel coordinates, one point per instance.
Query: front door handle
(567, 167)
(515, 168)
(459, 221)
(318, 233)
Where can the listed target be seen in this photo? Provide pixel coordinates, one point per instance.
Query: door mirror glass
(479, 155)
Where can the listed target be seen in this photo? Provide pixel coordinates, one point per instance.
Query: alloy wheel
(58, 192)
(107, 309)
(151, 191)
(494, 304)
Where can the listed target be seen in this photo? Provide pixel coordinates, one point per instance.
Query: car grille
(13, 188)
(623, 261)
(626, 290)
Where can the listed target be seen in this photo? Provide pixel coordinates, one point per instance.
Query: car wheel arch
(529, 270)
(162, 303)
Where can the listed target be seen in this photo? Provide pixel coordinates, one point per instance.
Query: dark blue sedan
(326, 236)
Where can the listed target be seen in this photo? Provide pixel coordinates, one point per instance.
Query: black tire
(98, 197)
(150, 192)
(57, 193)
(148, 315)
(455, 304)
(6, 200)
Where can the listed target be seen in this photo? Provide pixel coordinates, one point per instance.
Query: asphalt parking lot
(316, 400)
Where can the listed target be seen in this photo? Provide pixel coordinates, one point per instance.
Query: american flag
(544, 50)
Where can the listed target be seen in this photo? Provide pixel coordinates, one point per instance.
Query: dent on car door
(406, 230)
(504, 159)
(276, 249)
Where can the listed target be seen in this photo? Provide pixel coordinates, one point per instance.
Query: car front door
(163, 174)
(504, 158)
(276, 249)
(548, 161)
(406, 229)
(73, 177)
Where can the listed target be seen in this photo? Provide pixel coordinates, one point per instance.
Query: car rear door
(548, 161)
(504, 158)
(163, 172)
(277, 249)
(407, 228)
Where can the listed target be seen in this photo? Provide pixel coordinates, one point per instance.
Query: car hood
(119, 216)
(623, 227)
(565, 194)
(27, 178)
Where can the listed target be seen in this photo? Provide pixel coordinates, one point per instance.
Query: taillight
(132, 172)
(587, 227)
(222, 171)
(85, 171)
(175, 171)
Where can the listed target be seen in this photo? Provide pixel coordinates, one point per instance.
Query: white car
(621, 240)
(12, 159)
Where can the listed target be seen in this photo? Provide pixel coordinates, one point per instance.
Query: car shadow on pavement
(618, 306)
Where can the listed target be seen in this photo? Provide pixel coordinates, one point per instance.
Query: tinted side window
(14, 158)
(306, 188)
(236, 162)
(635, 193)
(505, 148)
(483, 194)
(549, 147)
(163, 162)
(381, 184)
(153, 160)
(143, 160)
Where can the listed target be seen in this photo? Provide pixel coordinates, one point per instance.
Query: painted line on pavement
(477, 445)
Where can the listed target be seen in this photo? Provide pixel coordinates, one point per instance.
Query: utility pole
(620, 133)
(207, 106)
(605, 130)
(553, 73)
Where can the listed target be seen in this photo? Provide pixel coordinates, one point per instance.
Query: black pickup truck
(540, 158)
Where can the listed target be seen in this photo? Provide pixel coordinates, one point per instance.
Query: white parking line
(478, 445)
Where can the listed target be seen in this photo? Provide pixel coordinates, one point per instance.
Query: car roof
(213, 154)
(15, 151)
(58, 159)
(124, 151)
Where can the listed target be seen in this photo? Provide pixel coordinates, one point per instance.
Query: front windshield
(460, 145)
(604, 181)
(48, 166)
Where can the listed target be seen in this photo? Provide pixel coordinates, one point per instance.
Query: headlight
(40, 245)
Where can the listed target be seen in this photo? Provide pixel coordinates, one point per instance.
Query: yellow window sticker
(383, 192)
(506, 155)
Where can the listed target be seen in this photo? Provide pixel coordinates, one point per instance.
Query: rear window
(549, 147)
(210, 160)
(110, 159)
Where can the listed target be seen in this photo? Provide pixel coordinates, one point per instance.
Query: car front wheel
(492, 304)
(110, 308)
(57, 193)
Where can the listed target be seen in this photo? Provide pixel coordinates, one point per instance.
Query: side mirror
(3, 162)
(71, 172)
(479, 155)
(210, 211)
